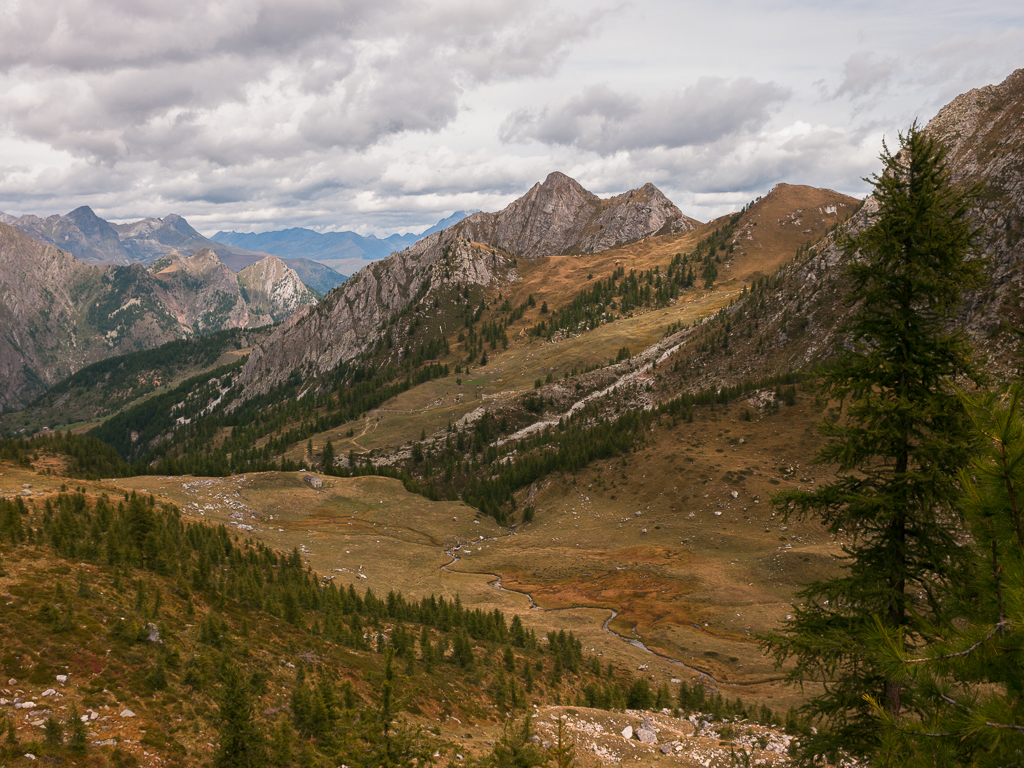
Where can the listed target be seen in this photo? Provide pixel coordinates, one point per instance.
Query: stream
(633, 641)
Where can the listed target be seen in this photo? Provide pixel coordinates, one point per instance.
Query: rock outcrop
(271, 288)
(560, 216)
(984, 132)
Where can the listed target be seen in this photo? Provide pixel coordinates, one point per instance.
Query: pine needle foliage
(970, 683)
(897, 448)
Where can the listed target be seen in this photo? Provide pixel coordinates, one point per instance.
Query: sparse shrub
(41, 674)
(53, 731)
(79, 739)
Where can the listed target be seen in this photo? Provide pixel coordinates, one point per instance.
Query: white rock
(62, 679)
(127, 713)
(49, 692)
(627, 732)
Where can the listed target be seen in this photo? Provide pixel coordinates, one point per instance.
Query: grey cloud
(388, 98)
(864, 73)
(237, 80)
(605, 121)
(98, 36)
(534, 44)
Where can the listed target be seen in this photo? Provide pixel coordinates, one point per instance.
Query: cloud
(865, 72)
(605, 121)
(235, 80)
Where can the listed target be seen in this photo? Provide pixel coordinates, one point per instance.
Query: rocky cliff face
(353, 317)
(558, 216)
(984, 131)
(58, 314)
(271, 288)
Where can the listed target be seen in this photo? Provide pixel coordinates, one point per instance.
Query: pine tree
(563, 751)
(970, 685)
(392, 743)
(514, 749)
(241, 743)
(897, 448)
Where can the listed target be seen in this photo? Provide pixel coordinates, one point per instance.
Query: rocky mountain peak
(554, 217)
(560, 216)
(272, 288)
(204, 261)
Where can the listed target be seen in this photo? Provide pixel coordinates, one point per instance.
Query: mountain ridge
(299, 242)
(58, 313)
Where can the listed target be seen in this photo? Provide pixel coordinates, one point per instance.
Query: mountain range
(58, 313)
(554, 217)
(95, 241)
(342, 251)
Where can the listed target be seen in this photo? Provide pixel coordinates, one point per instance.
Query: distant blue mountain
(300, 243)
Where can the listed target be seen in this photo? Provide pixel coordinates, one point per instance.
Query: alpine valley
(523, 465)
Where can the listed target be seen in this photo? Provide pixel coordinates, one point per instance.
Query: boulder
(646, 733)
(627, 732)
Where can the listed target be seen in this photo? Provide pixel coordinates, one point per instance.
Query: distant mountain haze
(339, 250)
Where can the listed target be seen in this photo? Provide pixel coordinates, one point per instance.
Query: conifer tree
(897, 448)
(563, 751)
(970, 684)
(242, 744)
(327, 459)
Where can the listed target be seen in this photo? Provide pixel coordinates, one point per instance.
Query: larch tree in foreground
(899, 442)
(969, 683)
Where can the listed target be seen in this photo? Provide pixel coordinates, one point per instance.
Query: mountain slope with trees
(59, 314)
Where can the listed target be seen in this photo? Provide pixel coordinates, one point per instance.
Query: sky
(384, 116)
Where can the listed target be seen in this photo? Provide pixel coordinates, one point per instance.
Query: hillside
(59, 314)
(134, 625)
(790, 321)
